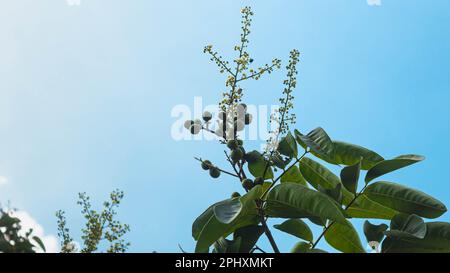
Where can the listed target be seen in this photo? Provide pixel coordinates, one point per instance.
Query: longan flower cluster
(282, 117)
(290, 84)
(242, 71)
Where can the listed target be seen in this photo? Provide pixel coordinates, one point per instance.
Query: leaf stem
(346, 208)
(259, 205)
(284, 172)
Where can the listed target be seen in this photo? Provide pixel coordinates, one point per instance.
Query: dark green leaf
(39, 242)
(335, 194)
(344, 237)
(366, 208)
(288, 146)
(257, 165)
(404, 199)
(316, 174)
(317, 141)
(403, 225)
(349, 154)
(207, 228)
(293, 175)
(317, 220)
(249, 236)
(301, 247)
(292, 198)
(296, 227)
(374, 233)
(228, 210)
(350, 177)
(227, 246)
(388, 166)
(437, 240)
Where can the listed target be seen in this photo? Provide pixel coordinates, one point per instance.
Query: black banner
(220, 262)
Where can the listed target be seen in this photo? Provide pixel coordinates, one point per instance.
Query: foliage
(100, 226)
(307, 190)
(13, 239)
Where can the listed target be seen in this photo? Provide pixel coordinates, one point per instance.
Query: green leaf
(374, 233)
(257, 165)
(293, 175)
(350, 177)
(344, 237)
(316, 174)
(318, 142)
(228, 210)
(437, 240)
(39, 242)
(404, 199)
(207, 228)
(296, 227)
(366, 208)
(294, 199)
(303, 247)
(349, 154)
(249, 236)
(288, 146)
(227, 246)
(317, 220)
(335, 194)
(403, 225)
(388, 166)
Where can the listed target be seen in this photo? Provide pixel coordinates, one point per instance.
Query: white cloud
(27, 222)
(3, 180)
(374, 2)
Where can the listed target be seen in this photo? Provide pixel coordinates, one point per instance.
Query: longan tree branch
(220, 62)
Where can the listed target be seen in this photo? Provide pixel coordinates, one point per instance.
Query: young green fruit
(247, 184)
(240, 142)
(235, 194)
(237, 155)
(195, 129)
(206, 165)
(214, 172)
(207, 116)
(259, 181)
(188, 123)
(232, 144)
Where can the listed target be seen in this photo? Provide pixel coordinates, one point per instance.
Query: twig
(332, 223)
(223, 171)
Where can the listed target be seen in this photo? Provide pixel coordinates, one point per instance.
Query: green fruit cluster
(214, 172)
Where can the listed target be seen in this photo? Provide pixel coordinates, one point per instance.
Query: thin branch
(238, 175)
(223, 171)
(219, 62)
(332, 223)
(259, 205)
(284, 172)
(259, 73)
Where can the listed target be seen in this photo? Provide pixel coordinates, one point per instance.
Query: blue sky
(86, 94)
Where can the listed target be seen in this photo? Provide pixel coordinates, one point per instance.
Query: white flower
(374, 246)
